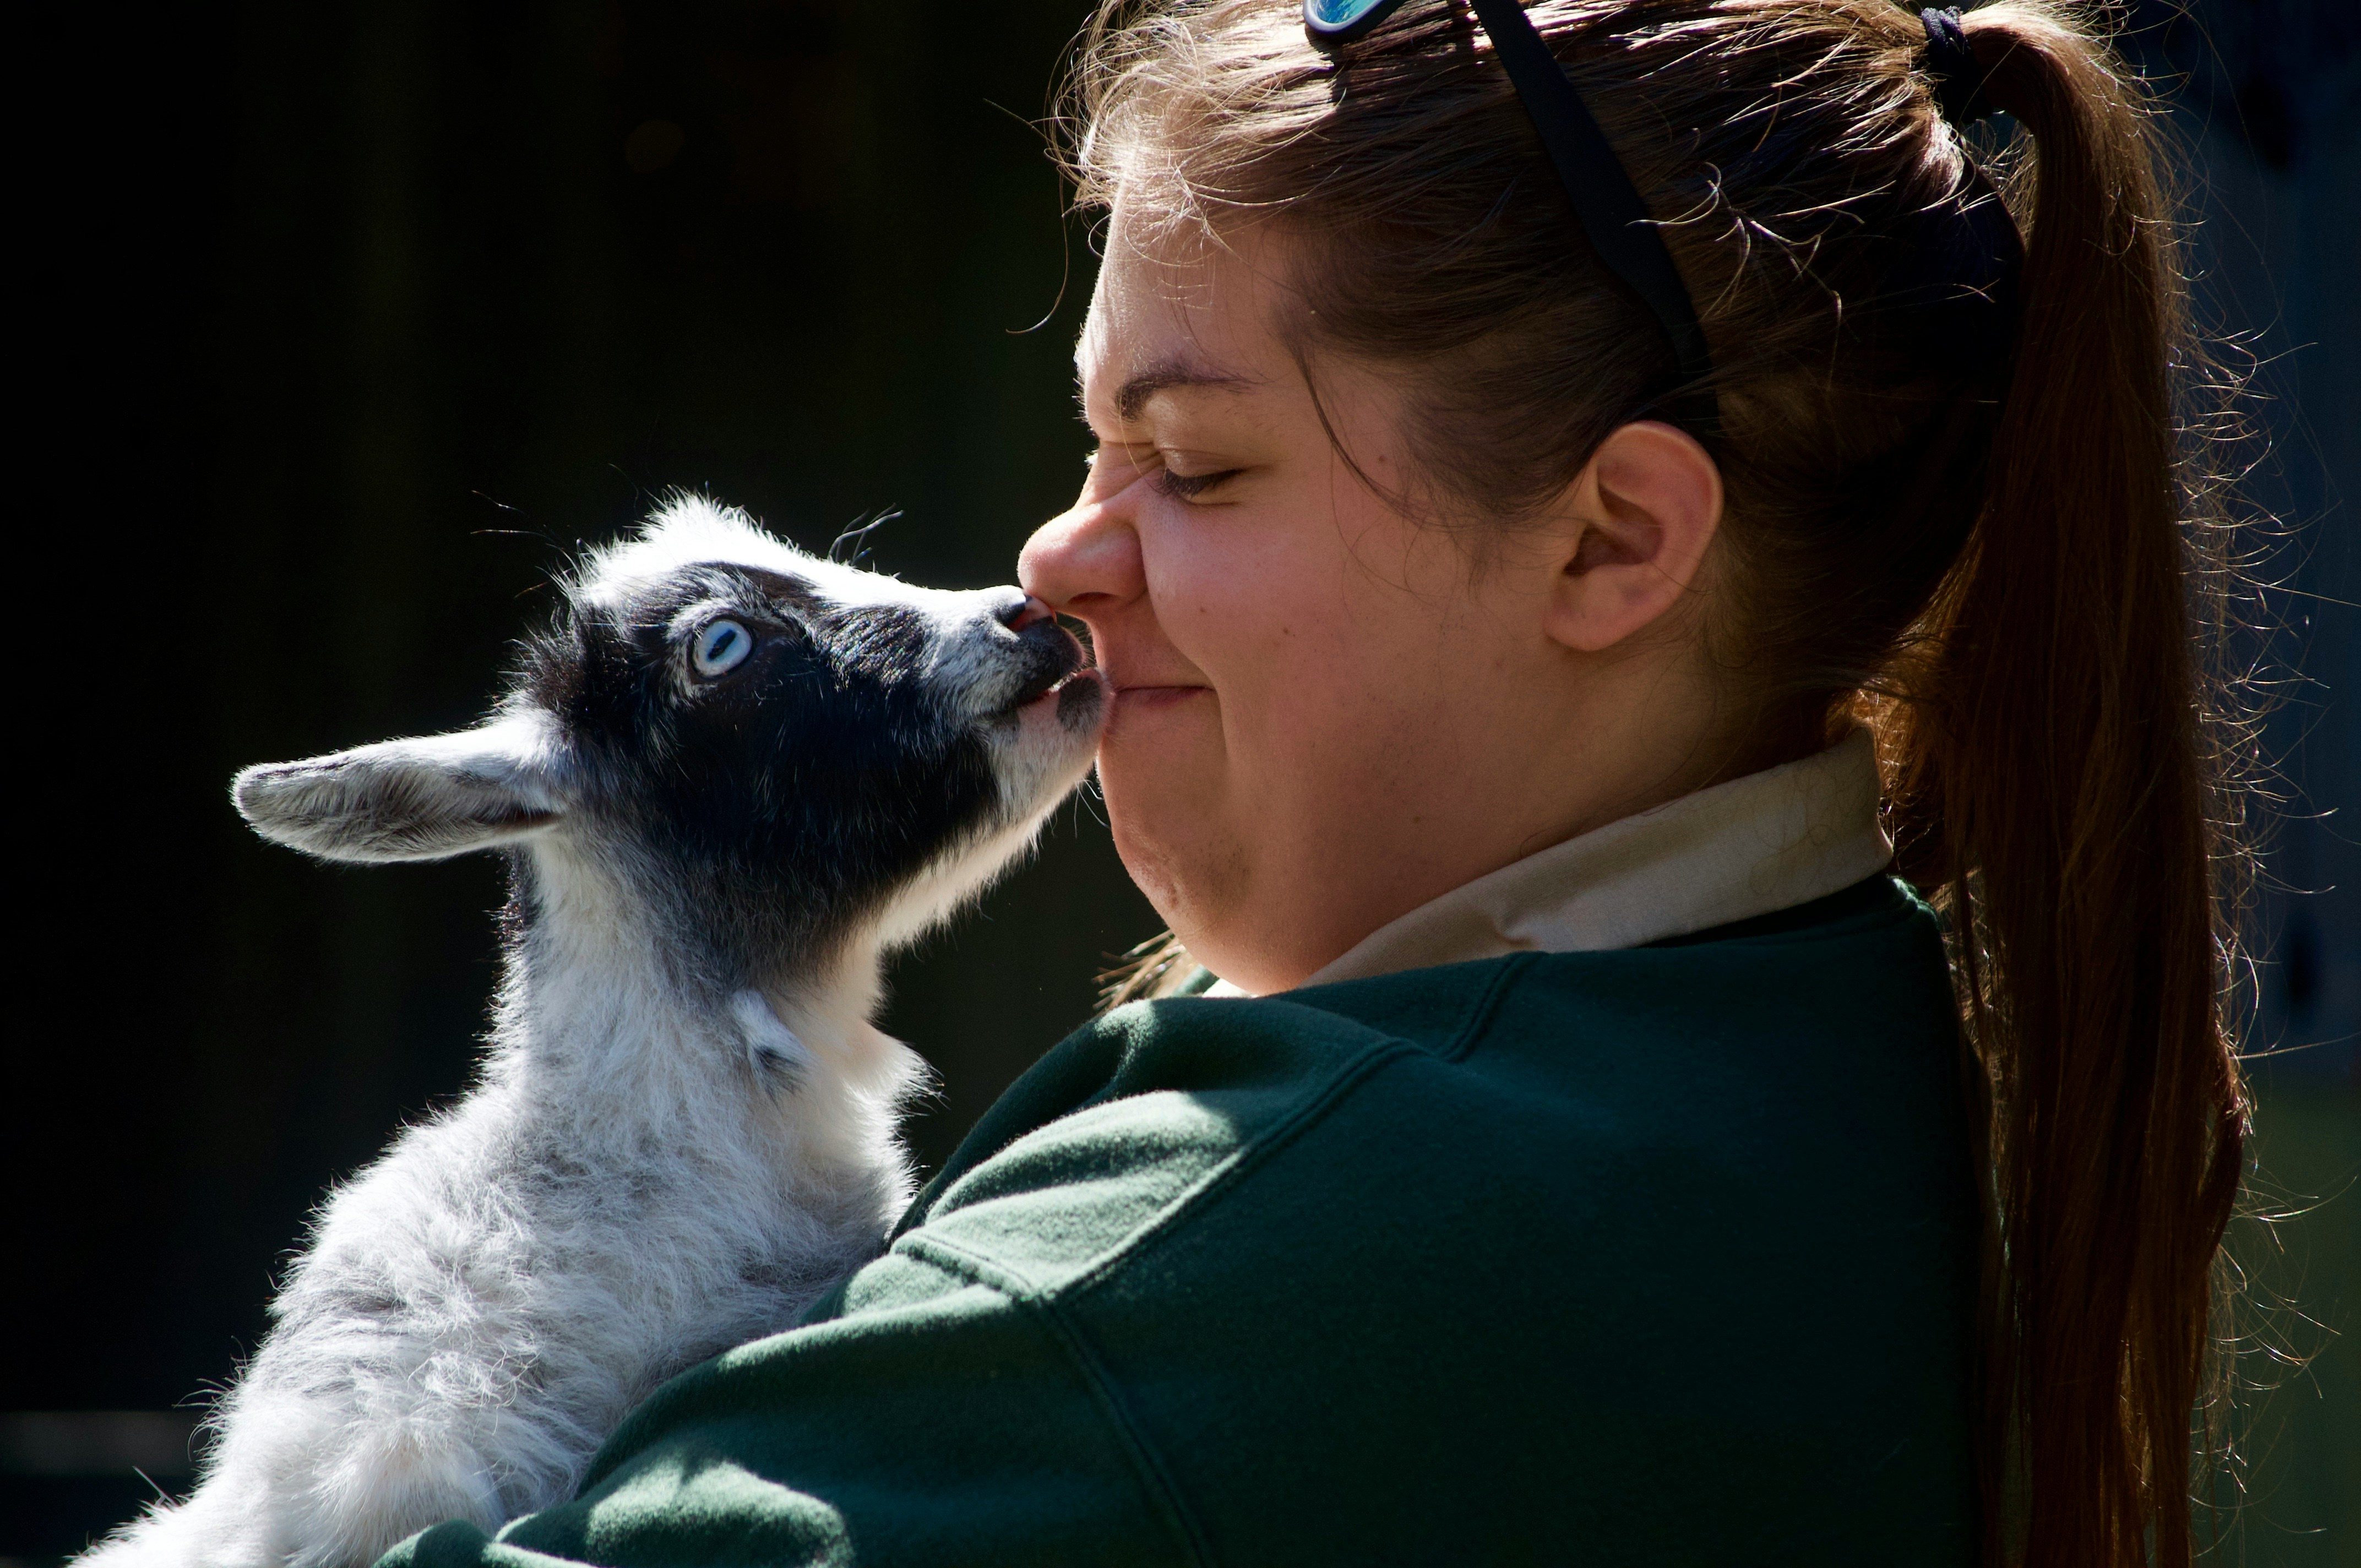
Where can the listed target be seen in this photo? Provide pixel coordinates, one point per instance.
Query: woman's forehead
(1175, 313)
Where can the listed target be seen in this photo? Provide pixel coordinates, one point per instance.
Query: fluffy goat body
(685, 1130)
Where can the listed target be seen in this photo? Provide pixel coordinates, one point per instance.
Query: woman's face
(1327, 713)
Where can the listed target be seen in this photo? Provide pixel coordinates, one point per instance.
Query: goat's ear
(408, 800)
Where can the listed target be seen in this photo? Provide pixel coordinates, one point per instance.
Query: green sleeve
(944, 1405)
(943, 1418)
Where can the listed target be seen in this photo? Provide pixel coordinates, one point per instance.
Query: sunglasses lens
(1336, 16)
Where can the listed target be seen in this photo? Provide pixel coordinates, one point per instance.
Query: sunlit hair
(1958, 511)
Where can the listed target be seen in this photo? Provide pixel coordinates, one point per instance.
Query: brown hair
(1958, 511)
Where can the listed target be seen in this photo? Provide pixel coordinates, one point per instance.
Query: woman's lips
(1156, 697)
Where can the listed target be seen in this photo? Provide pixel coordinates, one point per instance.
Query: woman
(1523, 700)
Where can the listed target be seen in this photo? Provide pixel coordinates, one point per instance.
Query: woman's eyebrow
(1132, 399)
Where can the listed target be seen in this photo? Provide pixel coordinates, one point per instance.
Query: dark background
(340, 324)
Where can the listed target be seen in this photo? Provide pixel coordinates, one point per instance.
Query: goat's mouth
(1049, 685)
(1056, 661)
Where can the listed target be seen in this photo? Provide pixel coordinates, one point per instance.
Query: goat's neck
(601, 1026)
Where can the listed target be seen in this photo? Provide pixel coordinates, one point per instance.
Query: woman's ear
(1645, 507)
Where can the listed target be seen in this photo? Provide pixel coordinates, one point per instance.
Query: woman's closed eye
(1146, 462)
(1188, 487)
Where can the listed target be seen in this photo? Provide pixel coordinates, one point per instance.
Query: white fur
(643, 1175)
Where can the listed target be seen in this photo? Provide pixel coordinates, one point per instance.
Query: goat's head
(763, 752)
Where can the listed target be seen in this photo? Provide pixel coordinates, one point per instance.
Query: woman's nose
(1085, 562)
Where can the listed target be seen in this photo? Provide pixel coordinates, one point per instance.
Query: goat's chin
(1044, 748)
(1037, 760)
(1051, 752)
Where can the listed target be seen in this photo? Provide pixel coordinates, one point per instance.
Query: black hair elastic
(1964, 268)
(1958, 78)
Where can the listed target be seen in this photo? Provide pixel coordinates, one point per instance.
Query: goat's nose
(1024, 613)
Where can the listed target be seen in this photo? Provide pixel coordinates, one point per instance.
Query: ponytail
(2055, 784)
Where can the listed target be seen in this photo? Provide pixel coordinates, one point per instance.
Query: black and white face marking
(770, 751)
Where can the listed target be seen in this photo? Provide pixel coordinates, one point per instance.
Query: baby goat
(728, 780)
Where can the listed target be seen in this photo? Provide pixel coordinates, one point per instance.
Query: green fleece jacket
(1660, 1256)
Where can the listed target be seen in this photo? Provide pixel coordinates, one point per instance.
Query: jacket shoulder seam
(1208, 1188)
(1481, 1008)
(1148, 1465)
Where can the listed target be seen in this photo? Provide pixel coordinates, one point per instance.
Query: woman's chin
(1163, 769)
(1163, 726)
(1163, 736)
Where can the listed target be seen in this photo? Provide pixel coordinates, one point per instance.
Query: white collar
(1751, 846)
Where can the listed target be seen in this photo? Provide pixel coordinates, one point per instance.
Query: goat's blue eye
(721, 647)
